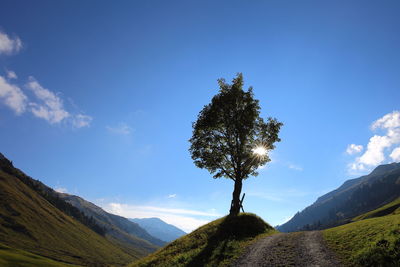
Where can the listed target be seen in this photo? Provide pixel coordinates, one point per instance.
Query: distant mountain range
(160, 229)
(116, 226)
(353, 198)
(35, 218)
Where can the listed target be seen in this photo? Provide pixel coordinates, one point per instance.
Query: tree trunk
(235, 205)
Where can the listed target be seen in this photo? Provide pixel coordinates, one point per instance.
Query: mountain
(29, 221)
(160, 229)
(353, 198)
(217, 243)
(35, 219)
(116, 226)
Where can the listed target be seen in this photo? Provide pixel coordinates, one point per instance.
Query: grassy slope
(368, 242)
(11, 257)
(214, 244)
(29, 222)
(391, 208)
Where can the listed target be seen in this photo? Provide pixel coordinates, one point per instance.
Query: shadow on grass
(230, 232)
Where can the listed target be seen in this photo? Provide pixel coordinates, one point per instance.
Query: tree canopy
(230, 139)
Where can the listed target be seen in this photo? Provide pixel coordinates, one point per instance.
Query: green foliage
(228, 129)
(369, 242)
(227, 132)
(215, 244)
(10, 257)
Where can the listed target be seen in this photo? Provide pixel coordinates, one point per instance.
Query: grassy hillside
(11, 257)
(368, 242)
(31, 223)
(391, 208)
(214, 244)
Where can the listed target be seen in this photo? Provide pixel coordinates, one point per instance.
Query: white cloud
(187, 220)
(12, 96)
(389, 121)
(172, 196)
(354, 149)
(11, 75)
(50, 108)
(9, 45)
(61, 190)
(45, 105)
(376, 152)
(80, 120)
(395, 155)
(122, 129)
(42, 103)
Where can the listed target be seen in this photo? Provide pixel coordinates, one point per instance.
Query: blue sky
(97, 98)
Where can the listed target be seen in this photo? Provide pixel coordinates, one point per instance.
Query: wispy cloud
(11, 75)
(172, 196)
(12, 96)
(49, 107)
(81, 120)
(295, 167)
(186, 219)
(121, 129)
(9, 45)
(42, 102)
(379, 146)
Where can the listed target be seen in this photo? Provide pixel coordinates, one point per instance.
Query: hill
(34, 219)
(11, 257)
(217, 243)
(373, 239)
(159, 228)
(353, 198)
(117, 227)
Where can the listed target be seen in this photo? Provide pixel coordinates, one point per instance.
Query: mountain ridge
(30, 222)
(352, 198)
(114, 224)
(35, 218)
(159, 228)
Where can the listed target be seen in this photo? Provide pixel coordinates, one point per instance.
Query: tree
(230, 139)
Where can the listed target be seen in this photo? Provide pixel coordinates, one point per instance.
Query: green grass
(11, 257)
(30, 223)
(215, 244)
(370, 242)
(391, 208)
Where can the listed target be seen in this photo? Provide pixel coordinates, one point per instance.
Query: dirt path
(293, 249)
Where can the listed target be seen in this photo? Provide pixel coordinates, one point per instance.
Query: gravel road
(293, 249)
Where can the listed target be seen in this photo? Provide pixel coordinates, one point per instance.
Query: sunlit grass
(370, 242)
